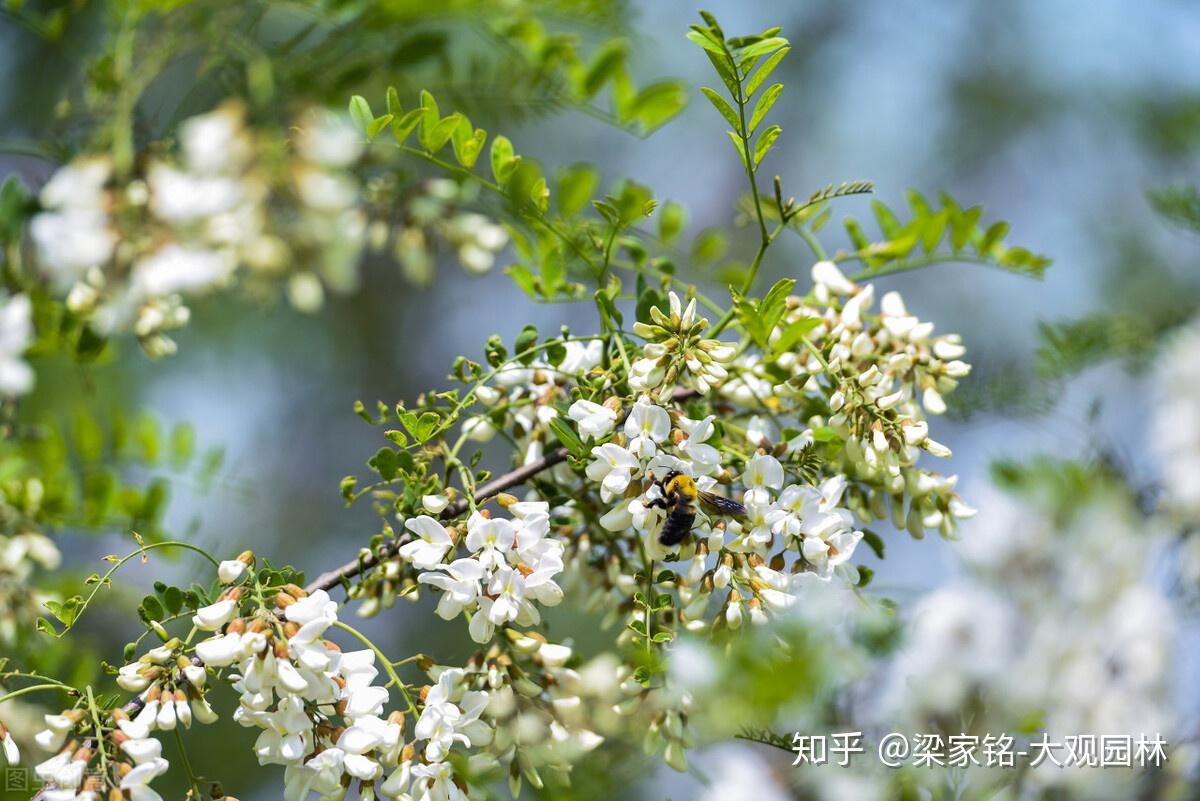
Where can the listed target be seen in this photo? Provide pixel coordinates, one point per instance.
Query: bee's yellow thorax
(684, 486)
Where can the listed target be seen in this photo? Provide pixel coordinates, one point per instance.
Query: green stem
(387, 663)
(142, 551)
(748, 283)
(35, 688)
(99, 730)
(187, 765)
(914, 264)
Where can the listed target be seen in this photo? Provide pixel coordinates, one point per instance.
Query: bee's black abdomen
(677, 526)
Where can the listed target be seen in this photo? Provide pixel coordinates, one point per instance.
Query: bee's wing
(722, 505)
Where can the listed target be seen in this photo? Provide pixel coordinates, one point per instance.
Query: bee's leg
(665, 502)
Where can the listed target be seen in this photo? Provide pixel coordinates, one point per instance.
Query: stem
(748, 283)
(105, 579)
(914, 264)
(34, 688)
(95, 710)
(187, 765)
(387, 663)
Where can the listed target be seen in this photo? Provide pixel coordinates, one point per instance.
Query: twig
(331, 578)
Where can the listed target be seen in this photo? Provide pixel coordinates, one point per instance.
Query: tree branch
(331, 578)
(513, 478)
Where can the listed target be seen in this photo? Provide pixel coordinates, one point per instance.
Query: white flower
(705, 459)
(459, 582)
(231, 570)
(137, 781)
(434, 504)
(646, 426)
(762, 473)
(315, 613)
(508, 590)
(646, 374)
(827, 275)
(582, 357)
(329, 140)
(16, 334)
(435, 782)
(479, 429)
(613, 468)
(180, 197)
(215, 616)
(826, 554)
(216, 141)
(432, 543)
(490, 539)
(72, 242)
(594, 420)
(220, 651)
(174, 268)
(61, 771)
(143, 750)
(761, 431)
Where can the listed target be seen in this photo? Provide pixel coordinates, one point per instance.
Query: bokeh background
(1055, 116)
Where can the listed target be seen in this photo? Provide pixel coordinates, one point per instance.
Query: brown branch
(331, 578)
(513, 478)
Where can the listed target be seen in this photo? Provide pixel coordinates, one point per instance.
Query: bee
(680, 494)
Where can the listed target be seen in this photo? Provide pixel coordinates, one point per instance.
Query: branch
(331, 578)
(513, 478)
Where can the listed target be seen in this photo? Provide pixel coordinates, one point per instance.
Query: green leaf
(393, 102)
(763, 72)
(874, 542)
(385, 463)
(377, 125)
(764, 105)
(151, 609)
(503, 160)
(722, 106)
(740, 147)
(360, 113)
(523, 347)
(539, 195)
(609, 59)
(402, 128)
(173, 600)
(765, 142)
(790, 336)
(468, 143)
(761, 48)
(700, 37)
(709, 245)
(725, 71)
(347, 487)
(671, 222)
(575, 186)
(567, 436)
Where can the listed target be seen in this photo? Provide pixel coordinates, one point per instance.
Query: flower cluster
(1176, 428)
(877, 375)
(676, 352)
(126, 249)
(743, 558)
(16, 335)
(1059, 619)
(431, 213)
(20, 555)
(510, 564)
(320, 711)
(99, 754)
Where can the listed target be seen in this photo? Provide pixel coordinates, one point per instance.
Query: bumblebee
(680, 494)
